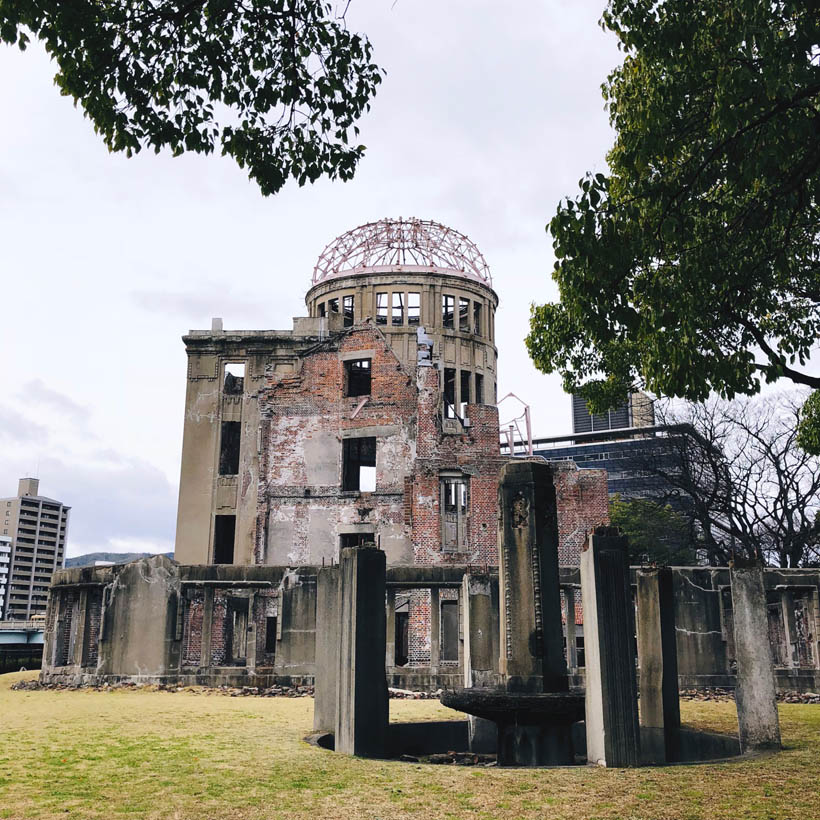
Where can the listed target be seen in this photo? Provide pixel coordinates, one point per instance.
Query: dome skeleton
(409, 244)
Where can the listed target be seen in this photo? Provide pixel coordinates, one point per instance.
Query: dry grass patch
(89, 755)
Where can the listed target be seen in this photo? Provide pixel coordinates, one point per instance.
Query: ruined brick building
(372, 420)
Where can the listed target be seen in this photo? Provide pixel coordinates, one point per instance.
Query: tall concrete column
(390, 650)
(757, 717)
(435, 630)
(327, 650)
(81, 617)
(532, 655)
(207, 623)
(250, 645)
(611, 697)
(572, 648)
(658, 662)
(362, 711)
(479, 651)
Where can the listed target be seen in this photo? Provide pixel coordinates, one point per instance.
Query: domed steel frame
(417, 245)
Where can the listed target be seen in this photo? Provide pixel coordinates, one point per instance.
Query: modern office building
(37, 527)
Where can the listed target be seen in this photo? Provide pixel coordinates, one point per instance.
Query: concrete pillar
(479, 650)
(572, 648)
(756, 702)
(362, 711)
(532, 655)
(789, 627)
(80, 620)
(390, 649)
(207, 623)
(658, 662)
(611, 698)
(327, 650)
(435, 630)
(250, 644)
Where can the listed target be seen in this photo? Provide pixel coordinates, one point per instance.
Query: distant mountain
(115, 557)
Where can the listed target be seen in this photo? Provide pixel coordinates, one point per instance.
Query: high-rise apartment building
(5, 562)
(37, 527)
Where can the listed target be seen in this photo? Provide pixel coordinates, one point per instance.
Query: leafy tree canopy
(694, 265)
(657, 534)
(278, 85)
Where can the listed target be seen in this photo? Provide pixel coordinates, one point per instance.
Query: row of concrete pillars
(612, 715)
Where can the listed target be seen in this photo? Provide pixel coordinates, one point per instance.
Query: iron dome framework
(417, 245)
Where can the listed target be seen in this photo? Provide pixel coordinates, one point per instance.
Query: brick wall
(583, 505)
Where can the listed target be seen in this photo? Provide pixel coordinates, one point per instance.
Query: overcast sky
(490, 113)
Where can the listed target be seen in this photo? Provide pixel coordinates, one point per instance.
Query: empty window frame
(464, 396)
(270, 635)
(413, 308)
(321, 310)
(359, 464)
(356, 539)
(448, 646)
(233, 383)
(398, 309)
(332, 305)
(357, 377)
(463, 314)
(448, 306)
(455, 506)
(347, 307)
(381, 308)
(229, 448)
(479, 389)
(236, 638)
(449, 393)
(224, 536)
(477, 318)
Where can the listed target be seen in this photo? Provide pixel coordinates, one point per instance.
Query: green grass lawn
(136, 754)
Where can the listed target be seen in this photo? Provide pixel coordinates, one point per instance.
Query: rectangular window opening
(229, 448)
(357, 377)
(464, 314)
(479, 388)
(448, 306)
(466, 378)
(449, 393)
(234, 379)
(455, 505)
(224, 536)
(347, 305)
(332, 305)
(449, 631)
(356, 539)
(359, 464)
(398, 308)
(381, 308)
(270, 635)
(413, 308)
(322, 310)
(477, 318)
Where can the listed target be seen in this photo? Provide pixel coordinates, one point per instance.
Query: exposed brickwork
(583, 505)
(404, 413)
(218, 631)
(92, 627)
(418, 631)
(192, 628)
(264, 607)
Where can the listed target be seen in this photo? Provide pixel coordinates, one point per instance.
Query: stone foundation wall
(191, 608)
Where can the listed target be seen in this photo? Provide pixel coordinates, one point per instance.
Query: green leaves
(694, 265)
(808, 431)
(277, 85)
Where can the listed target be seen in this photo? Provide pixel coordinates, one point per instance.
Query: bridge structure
(21, 645)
